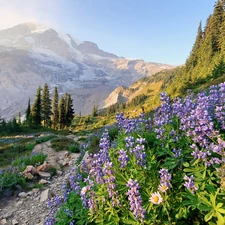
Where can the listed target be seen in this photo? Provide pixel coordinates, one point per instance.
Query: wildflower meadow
(165, 167)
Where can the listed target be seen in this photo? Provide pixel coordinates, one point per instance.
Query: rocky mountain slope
(32, 54)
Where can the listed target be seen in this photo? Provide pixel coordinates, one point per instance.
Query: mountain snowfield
(32, 54)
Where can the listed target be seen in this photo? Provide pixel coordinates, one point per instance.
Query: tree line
(206, 62)
(56, 113)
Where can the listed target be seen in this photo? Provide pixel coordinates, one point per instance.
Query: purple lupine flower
(177, 153)
(123, 158)
(100, 159)
(110, 179)
(165, 178)
(53, 205)
(74, 180)
(189, 184)
(135, 200)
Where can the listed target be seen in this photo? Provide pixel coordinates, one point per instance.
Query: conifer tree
(69, 109)
(36, 108)
(62, 113)
(55, 109)
(217, 21)
(94, 111)
(28, 110)
(19, 118)
(46, 106)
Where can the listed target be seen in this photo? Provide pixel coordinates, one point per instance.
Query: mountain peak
(33, 27)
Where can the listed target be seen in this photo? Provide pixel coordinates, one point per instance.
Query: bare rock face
(29, 172)
(44, 167)
(32, 54)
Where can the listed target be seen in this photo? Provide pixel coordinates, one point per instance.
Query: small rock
(15, 222)
(35, 190)
(42, 181)
(30, 193)
(30, 169)
(28, 176)
(44, 167)
(3, 221)
(19, 203)
(65, 164)
(22, 194)
(44, 174)
(45, 195)
(59, 173)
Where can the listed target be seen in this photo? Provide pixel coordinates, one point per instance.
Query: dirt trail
(29, 208)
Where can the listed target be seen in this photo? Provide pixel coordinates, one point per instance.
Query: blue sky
(154, 30)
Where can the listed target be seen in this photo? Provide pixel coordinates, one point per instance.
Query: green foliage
(44, 138)
(94, 111)
(63, 143)
(34, 160)
(55, 109)
(94, 144)
(62, 113)
(46, 106)
(36, 109)
(9, 178)
(9, 127)
(74, 204)
(113, 132)
(69, 109)
(74, 148)
(137, 100)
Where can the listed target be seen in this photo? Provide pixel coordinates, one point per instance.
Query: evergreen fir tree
(28, 110)
(55, 109)
(36, 108)
(69, 109)
(94, 111)
(217, 21)
(19, 118)
(46, 106)
(62, 113)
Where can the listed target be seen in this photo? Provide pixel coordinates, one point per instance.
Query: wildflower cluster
(135, 200)
(170, 165)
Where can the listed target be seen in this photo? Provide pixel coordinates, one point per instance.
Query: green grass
(23, 162)
(63, 143)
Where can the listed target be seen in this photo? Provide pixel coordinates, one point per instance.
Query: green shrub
(44, 138)
(113, 132)
(10, 177)
(61, 143)
(23, 162)
(74, 148)
(94, 145)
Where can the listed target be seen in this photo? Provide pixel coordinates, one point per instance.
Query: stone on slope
(22, 195)
(46, 194)
(44, 175)
(3, 221)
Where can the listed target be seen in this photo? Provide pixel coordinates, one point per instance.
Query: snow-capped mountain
(32, 54)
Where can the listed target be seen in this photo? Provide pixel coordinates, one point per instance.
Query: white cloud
(11, 17)
(13, 12)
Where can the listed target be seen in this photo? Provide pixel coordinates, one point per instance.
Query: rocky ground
(29, 207)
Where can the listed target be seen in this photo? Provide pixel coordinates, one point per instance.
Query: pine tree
(94, 111)
(217, 21)
(19, 118)
(192, 61)
(28, 110)
(69, 109)
(46, 106)
(62, 113)
(36, 108)
(55, 109)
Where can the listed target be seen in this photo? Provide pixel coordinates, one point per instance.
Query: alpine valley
(32, 54)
